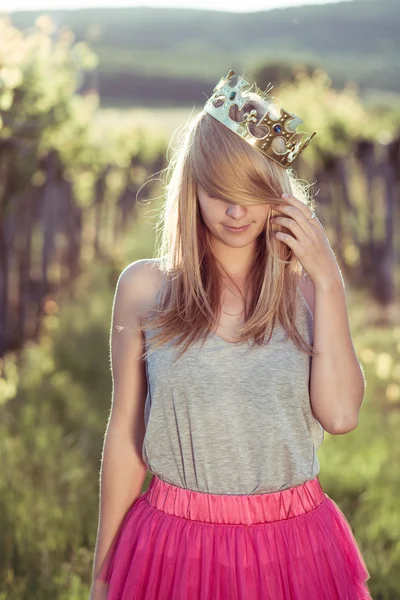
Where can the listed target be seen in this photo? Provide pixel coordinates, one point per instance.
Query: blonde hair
(228, 168)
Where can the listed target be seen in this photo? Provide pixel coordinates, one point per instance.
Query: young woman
(231, 355)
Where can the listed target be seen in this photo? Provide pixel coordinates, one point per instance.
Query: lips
(243, 228)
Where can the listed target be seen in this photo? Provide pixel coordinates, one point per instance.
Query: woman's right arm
(122, 470)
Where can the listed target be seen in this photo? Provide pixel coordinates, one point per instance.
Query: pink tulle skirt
(179, 544)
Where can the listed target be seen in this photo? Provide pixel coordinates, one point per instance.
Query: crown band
(281, 142)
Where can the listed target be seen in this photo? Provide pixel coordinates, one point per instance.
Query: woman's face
(220, 216)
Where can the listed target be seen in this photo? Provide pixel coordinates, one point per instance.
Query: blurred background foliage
(80, 190)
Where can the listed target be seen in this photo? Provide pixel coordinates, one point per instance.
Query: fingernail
(285, 195)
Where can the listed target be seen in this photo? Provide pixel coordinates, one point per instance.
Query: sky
(230, 5)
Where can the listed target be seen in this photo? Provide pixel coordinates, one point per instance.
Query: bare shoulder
(140, 282)
(307, 289)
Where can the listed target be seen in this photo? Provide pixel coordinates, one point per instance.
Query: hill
(172, 56)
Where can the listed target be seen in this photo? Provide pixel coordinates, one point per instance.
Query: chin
(239, 243)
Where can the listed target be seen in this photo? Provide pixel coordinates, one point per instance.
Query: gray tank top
(230, 418)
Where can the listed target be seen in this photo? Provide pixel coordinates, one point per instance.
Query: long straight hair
(230, 169)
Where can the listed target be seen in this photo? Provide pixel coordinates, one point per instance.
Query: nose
(236, 211)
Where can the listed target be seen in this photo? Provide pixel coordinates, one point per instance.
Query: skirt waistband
(246, 509)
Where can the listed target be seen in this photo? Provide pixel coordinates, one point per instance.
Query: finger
(293, 201)
(291, 224)
(297, 216)
(290, 241)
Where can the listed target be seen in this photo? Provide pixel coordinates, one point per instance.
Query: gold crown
(281, 142)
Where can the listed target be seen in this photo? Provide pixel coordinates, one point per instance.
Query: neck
(235, 263)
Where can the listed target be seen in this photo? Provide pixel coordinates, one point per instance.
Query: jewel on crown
(280, 142)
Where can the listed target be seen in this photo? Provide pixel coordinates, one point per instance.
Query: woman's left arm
(337, 383)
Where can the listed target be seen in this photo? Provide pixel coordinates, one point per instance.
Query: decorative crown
(281, 142)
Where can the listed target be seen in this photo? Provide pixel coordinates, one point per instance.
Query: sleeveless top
(229, 418)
